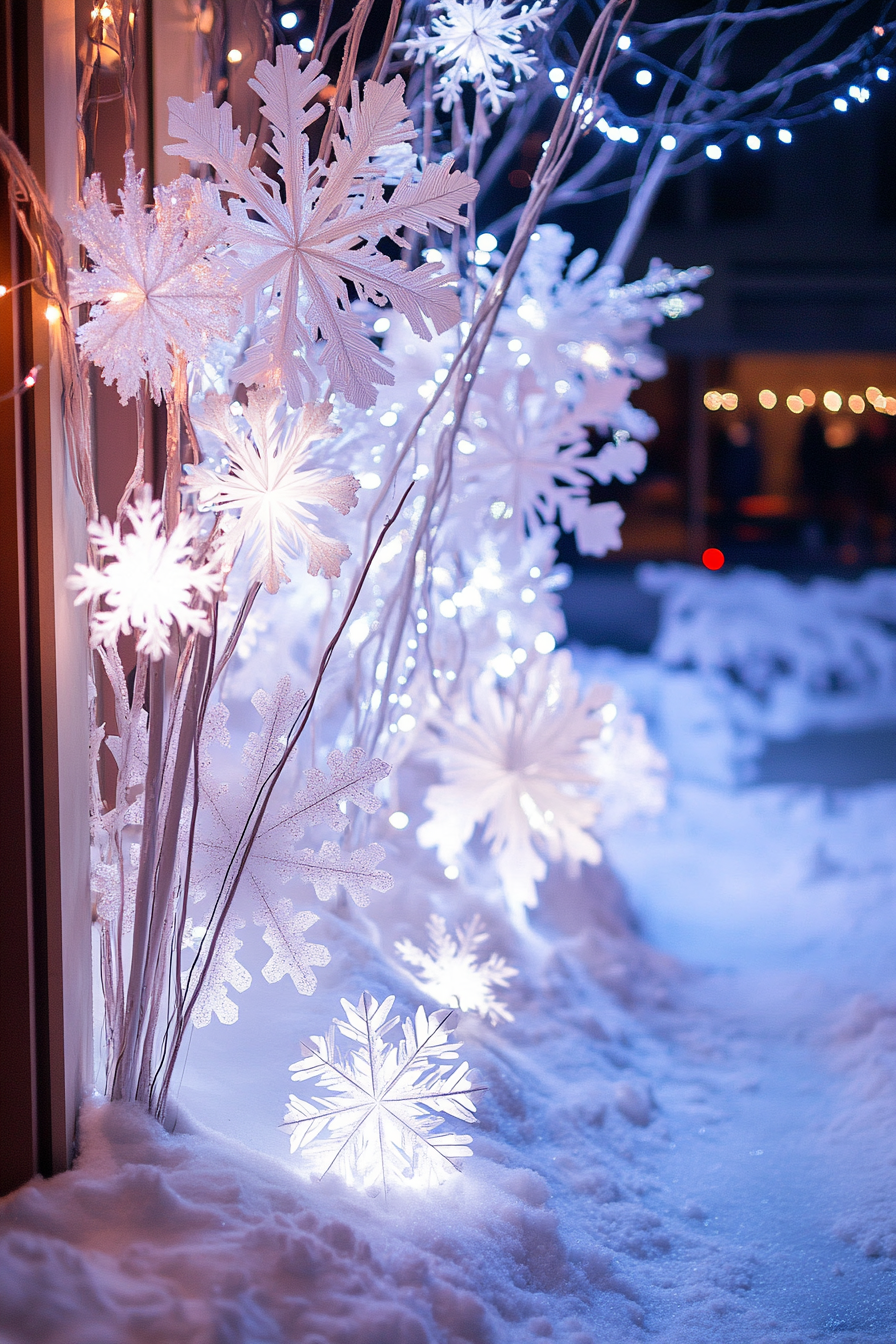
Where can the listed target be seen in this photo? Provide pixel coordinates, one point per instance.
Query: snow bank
(749, 656)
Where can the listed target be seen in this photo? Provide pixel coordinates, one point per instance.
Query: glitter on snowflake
(149, 582)
(381, 1122)
(275, 488)
(450, 972)
(225, 970)
(303, 240)
(480, 44)
(157, 287)
(513, 760)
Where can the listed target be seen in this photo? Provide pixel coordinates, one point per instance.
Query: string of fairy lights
(806, 400)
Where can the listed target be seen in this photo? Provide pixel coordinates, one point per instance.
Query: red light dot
(713, 558)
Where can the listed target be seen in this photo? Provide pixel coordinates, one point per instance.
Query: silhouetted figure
(738, 471)
(815, 468)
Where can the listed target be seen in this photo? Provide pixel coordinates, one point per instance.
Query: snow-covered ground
(688, 1130)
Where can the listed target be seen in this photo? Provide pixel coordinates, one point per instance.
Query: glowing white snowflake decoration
(304, 239)
(480, 44)
(149, 582)
(381, 1122)
(450, 972)
(513, 759)
(158, 286)
(276, 489)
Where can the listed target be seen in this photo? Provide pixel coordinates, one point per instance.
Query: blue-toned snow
(689, 1130)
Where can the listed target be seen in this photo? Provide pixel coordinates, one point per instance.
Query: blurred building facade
(802, 241)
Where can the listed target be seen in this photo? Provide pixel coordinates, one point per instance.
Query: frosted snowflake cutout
(450, 972)
(479, 43)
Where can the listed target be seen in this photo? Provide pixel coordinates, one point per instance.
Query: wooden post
(45, 973)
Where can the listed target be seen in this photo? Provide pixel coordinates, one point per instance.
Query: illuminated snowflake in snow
(479, 42)
(451, 974)
(381, 1121)
(149, 581)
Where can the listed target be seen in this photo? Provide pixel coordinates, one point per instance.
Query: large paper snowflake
(480, 44)
(158, 286)
(149, 582)
(273, 485)
(381, 1122)
(513, 759)
(308, 241)
(450, 972)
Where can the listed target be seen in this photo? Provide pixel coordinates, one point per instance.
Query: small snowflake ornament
(158, 287)
(380, 1122)
(481, 44)
(273, 487)
(149, 582)
(450, 972)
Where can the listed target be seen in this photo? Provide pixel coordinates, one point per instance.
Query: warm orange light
(767, 399)
(52, 313)
(729, 401)
(796, 404)
(832, 401)
(856, 404)
(234, 56)
(890, 405)
(872, 394)
(713, 558)
(713, 401)
(807, 396)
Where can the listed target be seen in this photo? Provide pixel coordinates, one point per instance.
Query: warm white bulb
(234, 56)
(306, 44)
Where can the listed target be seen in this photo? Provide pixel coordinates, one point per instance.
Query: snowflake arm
(158, 285)
(357, 872)
(225, 970)
(284, 933)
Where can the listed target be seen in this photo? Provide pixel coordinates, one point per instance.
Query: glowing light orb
(713, 558)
